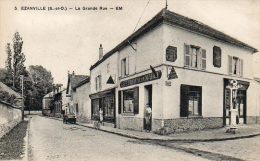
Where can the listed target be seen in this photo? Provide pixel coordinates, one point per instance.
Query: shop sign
(171, 53)
(141, 79)
(172, 73)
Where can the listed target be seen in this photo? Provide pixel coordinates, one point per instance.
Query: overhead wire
(141, 15)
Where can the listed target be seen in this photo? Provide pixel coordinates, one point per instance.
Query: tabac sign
(141, 79)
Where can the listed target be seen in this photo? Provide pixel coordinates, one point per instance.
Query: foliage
(18, 60)
(42, 84)
(37, 82)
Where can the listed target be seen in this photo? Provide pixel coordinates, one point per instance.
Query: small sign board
(172, 73)
(171, 53)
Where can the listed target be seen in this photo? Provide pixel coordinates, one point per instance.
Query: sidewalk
(244, 131)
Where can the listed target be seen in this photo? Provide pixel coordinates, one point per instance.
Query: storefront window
(191, 101)
(128, 101)
(108, 103)
(95, 108)
(131, 101)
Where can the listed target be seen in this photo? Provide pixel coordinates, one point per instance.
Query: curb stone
(164, 140)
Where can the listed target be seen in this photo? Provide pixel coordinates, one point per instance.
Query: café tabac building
(181, 68)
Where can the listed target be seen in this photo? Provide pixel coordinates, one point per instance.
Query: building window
(124, 67)
(108, 67)
(95, 109)
(195, 57)
(217, 56)
(98, 83)
(131, 101)
(77, 108)
(235, 66)
(191, 97)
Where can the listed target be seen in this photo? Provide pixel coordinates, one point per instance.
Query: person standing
(148, 116)
(101, 116)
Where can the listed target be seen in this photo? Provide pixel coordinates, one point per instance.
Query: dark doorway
(148, 101)
(241, 103)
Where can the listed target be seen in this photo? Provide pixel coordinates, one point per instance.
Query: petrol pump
(233, 87)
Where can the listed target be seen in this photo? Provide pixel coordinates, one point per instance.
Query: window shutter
(122, 68)
(119, 102)
(96, 83)
(230, 65)
(203, 59)
(100, 82)
(187, 55)
(184, 101)
(136, 100)
(241, 67)
(127, 65)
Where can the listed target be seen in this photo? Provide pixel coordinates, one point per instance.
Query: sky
(63, 41)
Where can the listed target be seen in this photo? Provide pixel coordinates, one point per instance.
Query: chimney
(73, 74)
(100, 52)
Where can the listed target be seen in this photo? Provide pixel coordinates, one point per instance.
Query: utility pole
(21, 77)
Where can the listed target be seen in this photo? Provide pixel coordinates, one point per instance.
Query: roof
(175, 19)
(75, 80)
(82, 82)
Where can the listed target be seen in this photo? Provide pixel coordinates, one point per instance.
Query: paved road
(52, 140)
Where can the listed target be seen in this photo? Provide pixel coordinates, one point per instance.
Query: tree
(8, 62)
(42, 84)
(18, 60)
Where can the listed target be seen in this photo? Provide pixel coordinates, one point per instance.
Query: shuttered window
(125, 67)
(187, 55)
(217, 56)
(191, 101)
(195, 57)
(203, 59)
(235, 66)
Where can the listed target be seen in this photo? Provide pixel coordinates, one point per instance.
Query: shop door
(240, 105)
(148, 100)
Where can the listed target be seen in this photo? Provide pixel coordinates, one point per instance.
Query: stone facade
(253, 120)
(130, 123)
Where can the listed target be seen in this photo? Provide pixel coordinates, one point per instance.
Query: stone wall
(130, 123)
(187, 124)
(253, 120)
(10, 116)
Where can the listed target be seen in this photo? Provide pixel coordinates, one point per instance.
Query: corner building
(181, 68)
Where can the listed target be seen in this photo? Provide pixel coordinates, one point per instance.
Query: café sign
(141, 79)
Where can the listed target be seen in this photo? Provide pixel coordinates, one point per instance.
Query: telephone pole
(22, 77)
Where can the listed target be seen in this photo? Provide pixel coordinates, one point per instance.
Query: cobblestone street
(246, 149)
(52, 140)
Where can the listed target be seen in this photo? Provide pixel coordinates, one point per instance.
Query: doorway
(148, 102)
(241, 103)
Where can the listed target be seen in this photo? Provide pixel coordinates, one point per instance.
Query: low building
(81, 101)
(182, 69)
(46, 104)
(74, 81)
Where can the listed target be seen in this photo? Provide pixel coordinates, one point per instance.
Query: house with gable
(78, 96)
